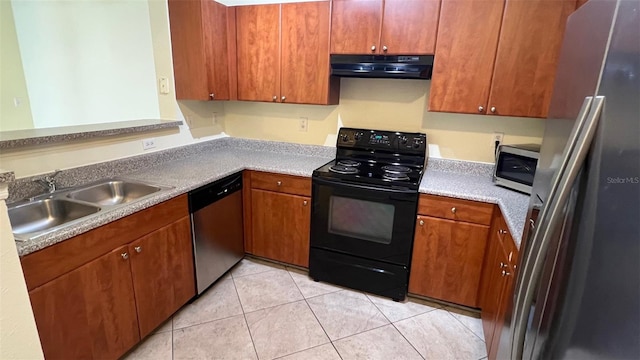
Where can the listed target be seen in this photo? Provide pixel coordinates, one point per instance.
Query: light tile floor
(264, 311)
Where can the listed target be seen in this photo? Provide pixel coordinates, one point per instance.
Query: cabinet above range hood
(382, 66)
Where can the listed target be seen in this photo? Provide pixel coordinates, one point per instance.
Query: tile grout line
(244, 315)
(466, 327)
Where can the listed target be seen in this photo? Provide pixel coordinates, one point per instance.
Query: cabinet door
(89, 312)
(305, 53)
(188, 52)
(216, 49)
(258, 52)
(409, 26)
(507, 280)
(492, 285)
(465, 52)
(163, 275)
(355, 26)
(527, 57)
(280, 226)
(447, 260)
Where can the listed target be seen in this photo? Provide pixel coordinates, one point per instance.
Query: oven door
(362, 220)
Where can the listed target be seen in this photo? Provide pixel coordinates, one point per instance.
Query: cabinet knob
(502, 265)
(283, 98)
(373, 48)
(493, 109)
(505, 273)
(275, 98)
(304, 203)
(212, 96)
(138, 249)
(385, 48)
(124, 255)
(502, 232)
(279, 183)
(453, 210)
(480, 109)
(421, 222)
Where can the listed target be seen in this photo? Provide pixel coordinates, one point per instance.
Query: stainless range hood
(382, 66)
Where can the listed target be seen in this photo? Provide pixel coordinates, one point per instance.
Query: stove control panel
(385, 140)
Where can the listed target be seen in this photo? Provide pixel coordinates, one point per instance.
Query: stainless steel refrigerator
(577, 294)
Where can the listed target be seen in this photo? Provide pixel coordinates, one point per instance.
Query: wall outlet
(149, 143)
(497, 137)
(163, 83)
(303, 124)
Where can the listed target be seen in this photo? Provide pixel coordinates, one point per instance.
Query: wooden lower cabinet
(447, 259)
(280, 225)
(90, 312)
(105, 306)
(162, 269)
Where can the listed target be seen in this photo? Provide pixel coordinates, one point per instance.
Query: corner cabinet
(449, 249)
(384, 27)
(497, 57)
(278, 225)
(203, 49)
(97, 294)
(283, 53)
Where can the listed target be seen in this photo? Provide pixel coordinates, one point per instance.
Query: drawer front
(455, 209)
(294, 185)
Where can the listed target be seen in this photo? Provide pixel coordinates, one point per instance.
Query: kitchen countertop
(230, 155)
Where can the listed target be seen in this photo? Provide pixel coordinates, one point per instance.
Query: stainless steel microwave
(516, 166)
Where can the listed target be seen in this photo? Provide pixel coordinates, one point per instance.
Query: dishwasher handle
(208, 194)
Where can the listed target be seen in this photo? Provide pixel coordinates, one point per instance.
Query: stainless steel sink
(41, 215)
(113, 192)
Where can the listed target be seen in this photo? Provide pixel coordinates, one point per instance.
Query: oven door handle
(362, 187)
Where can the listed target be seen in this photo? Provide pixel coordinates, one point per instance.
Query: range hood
(382, 66)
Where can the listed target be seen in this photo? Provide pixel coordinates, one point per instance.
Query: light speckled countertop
(228, 156)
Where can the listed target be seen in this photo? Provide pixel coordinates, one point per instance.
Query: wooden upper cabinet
(258, 52)
(409, 26)
(305, 53)
(497, 57)
(527, 57)
(355, 26)
(465, 52)
(163, 274)
(90, 312)
(203, 42)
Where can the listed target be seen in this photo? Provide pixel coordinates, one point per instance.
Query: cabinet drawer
(281, 183)
(506, 241)
(455, 209)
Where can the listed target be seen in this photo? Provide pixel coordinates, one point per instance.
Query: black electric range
(364, 208)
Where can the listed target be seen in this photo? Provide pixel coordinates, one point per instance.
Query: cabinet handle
(373, 48)
(493, 109)
(453, 210)
(212, 96)
(385, 48)
(124, 255)
(279, 183)
(283, 98)
(421, 222)
(480, 108)
(138, 249)
(275, 98)
(505, 273)
(304, 203)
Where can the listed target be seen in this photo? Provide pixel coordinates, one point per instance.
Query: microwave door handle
(533, 264)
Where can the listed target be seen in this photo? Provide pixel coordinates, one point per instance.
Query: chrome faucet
(49, 181)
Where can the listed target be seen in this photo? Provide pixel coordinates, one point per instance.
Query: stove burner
(342, 169)
(348, 163)
(394, 176)
(396, 169)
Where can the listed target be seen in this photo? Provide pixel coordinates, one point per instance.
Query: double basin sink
(46, 213)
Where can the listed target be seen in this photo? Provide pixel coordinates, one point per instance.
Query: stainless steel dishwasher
(216, 227)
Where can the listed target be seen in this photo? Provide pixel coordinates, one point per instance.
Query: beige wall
(386, 104)
(12, 81)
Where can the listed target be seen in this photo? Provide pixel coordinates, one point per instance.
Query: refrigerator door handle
(533, 262)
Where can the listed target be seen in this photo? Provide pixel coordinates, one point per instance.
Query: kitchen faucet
(49, 181)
